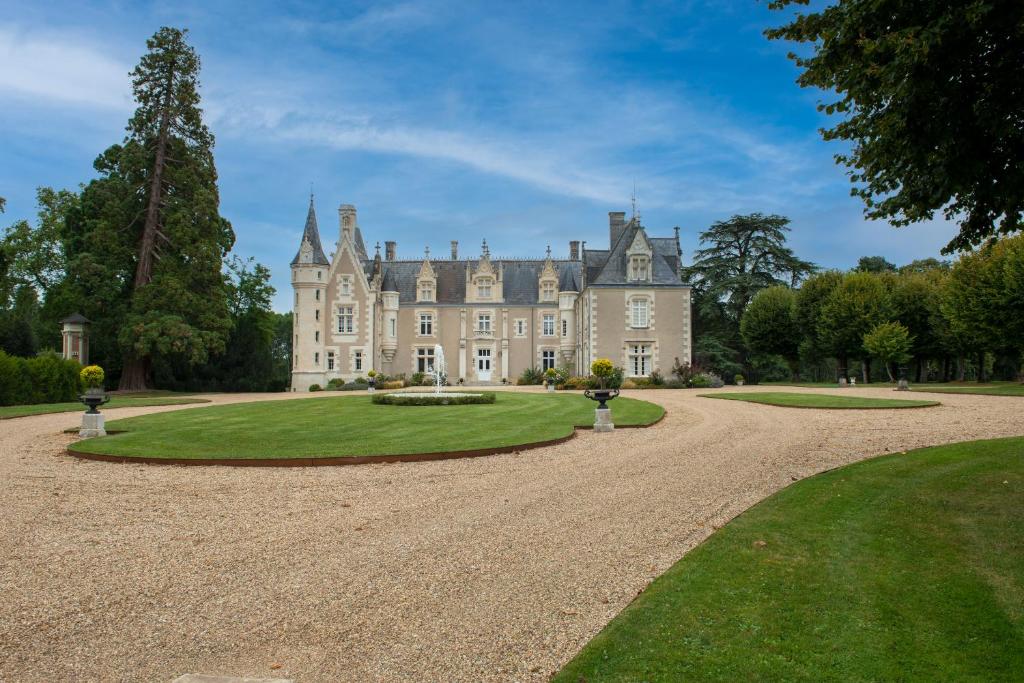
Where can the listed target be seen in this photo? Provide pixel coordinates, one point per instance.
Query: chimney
(574, 250)
(616, 226)
(455, 250)
(389, 250)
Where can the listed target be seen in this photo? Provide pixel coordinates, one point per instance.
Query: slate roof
(76, 318)
(312, 234)
(609, 266)
(520, 278)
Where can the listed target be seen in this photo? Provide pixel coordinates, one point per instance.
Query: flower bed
(443, 399)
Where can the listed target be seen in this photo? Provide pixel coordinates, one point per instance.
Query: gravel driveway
(487, 569)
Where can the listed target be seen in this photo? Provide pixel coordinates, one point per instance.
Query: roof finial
(426, 252)
(310, 191)
(377, 247)
(487, 252)
(549, 251)
(636, 216)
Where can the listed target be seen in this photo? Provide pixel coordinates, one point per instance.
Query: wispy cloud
(61, 68)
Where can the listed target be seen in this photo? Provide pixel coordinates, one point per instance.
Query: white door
(483, 365)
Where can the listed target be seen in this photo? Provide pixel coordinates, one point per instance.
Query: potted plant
(550, 375)
(92, 377)
(603, 370)
(371, 381)
(738, 379)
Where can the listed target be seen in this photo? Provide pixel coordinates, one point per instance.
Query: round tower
(309, 284)
(389, 304)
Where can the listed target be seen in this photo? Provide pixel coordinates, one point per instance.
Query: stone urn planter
(371, 385)
(92, 419)
(602, 413)
(550, 386)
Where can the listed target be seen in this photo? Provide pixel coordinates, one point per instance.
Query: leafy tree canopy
(932, 102)
(874, 264)
(769, 325)
(890, 343)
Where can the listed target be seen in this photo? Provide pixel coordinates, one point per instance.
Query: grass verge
(134, 401)
(793, 400)
(906, 567)
(353, 426)
(991, 389)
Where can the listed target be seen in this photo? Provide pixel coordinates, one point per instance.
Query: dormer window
(483, 287)
(548, 291)
(426, 291)
(346, 285)
(639, 268)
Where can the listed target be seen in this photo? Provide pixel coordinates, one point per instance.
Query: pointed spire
(426, 252)
(313, 253)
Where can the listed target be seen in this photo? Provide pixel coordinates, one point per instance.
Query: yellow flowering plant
(92, 377)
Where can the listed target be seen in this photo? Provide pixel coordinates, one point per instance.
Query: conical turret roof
(311, 234)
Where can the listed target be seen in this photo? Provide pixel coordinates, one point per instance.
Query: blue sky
(522, 122)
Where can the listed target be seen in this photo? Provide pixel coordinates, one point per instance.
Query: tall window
(357, 361)
(296, 298)
(548, 329)
(346, 285)
(547, 292)
(483, 323)
(330, 360)
(640, 310)
(346, 318)
(483, 287)
(424, 359)
(547, 359)
(318, 295)
(316, 358)
(639, 266)
(426, 291)
(394, 327)
(318, 314)
(565, 328)
(426, 324)
(318, 275)
(520, 327)
(316, 336)
(640, 360)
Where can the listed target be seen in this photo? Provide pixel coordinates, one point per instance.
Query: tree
(745, 254)
(36, 255)
(874, 264)
(889, 343)
(178, 304)
(856, 305)
(915, 299)
(809, 300)
(769, 326)
(931, 96)
(971, 303)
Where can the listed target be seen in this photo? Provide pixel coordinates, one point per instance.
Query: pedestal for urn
(602, 413)
(92, 419)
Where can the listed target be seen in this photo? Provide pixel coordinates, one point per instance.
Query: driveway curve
(488, 569)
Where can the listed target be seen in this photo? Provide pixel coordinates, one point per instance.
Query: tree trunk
(919, 370)
(888, 371)
(981, 367)
(961, 369)
(135, 375)
(136, 370)
(865, 371)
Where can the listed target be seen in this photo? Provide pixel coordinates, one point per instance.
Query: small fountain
(439, 372)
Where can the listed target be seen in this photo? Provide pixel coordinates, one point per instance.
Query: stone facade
(494, 317)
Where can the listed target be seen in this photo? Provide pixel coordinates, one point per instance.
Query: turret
(309, 276)
(568, 292)
(389, 303)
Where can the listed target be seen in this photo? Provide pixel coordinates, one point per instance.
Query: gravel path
(488, 569)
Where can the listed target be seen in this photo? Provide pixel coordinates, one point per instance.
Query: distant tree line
(142, 251)
(764, 313)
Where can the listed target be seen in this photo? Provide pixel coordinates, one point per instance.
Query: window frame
(547, 355)
(425, 320)
(640, 355)
(350, 317)
(545, 330)
(640, 313)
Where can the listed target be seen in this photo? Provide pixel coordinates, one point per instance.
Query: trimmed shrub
(429, 400)
(361, 380)
(315, 387)
(333, 384)
(416, 379)
(393, 384)
(575, 383)
(46, 378)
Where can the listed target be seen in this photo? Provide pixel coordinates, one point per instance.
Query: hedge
(401, 399)
(46, 378)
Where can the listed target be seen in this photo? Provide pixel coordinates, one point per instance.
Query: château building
(493, 317)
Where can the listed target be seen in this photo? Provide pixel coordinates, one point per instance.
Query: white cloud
(61, 68)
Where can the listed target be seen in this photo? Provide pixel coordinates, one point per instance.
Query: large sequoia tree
(148, 240)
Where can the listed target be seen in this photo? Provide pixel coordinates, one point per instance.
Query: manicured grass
(991, 389)
(353, 426)
(791, 400)
(1007, 389)
(901, 568)
(133, 401)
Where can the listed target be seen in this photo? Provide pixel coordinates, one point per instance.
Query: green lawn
(133, 401)
(791, 400)
(352, 426)
(901, 568)
(989, 389)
